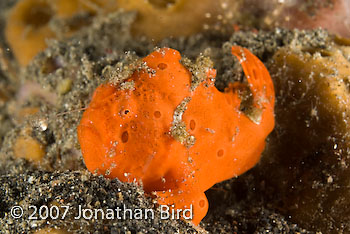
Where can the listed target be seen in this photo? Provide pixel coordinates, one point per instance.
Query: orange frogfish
(173, 130)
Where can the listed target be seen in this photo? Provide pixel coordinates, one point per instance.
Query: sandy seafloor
(241, 205)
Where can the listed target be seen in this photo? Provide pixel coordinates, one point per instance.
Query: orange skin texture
(126, 133)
